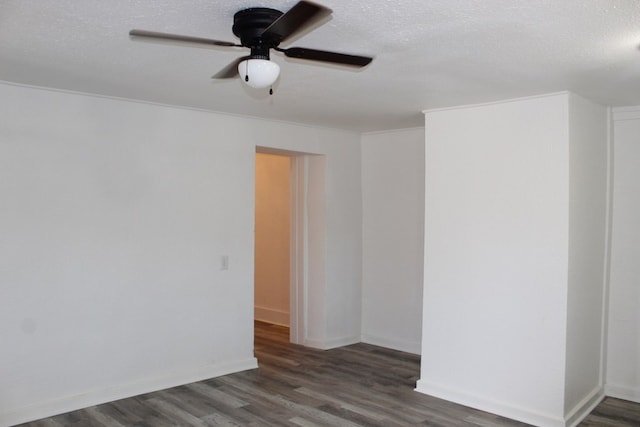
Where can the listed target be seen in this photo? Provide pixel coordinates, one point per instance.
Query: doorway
(272, 252)
(306, 235)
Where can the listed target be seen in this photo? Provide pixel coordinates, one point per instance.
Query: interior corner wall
(588, 198)
(115, 217)
(623, 352)
(393, 238)
(272, 238)
(496, 255)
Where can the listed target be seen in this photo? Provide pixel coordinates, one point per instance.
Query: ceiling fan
(261, 29)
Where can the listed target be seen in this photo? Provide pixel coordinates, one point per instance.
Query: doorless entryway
(289, 241)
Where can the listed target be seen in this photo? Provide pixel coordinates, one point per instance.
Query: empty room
(320, 213)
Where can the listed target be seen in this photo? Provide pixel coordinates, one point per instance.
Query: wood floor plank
(298, 421)
(217, 395)
(356, 385)
(340, 403)
(221, 420)
(200, 408)
(103, 418)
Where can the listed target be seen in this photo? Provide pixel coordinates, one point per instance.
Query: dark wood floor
(357, 385)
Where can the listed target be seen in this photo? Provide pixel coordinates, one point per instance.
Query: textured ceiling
(428, 54)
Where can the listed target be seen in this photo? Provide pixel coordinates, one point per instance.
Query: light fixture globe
(258, 73)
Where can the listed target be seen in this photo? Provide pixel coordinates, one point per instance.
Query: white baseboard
(269, 315)
(331, 343)
(406, 346)
(482, 403)
(109, 394)
(623, 392)
(584, 407)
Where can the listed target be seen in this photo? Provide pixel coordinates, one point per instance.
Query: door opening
(306, 246)
(273, 200)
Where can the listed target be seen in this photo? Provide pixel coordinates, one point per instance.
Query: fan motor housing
(249, 24)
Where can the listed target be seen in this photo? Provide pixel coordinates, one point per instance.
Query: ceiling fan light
(258, 73)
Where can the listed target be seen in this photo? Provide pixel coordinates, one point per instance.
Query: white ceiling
(428, 54)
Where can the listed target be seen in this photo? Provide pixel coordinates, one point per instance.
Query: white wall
(115, 215)
(344, 301)
(392, 239)
(588, 160)
(496, 245)
(272, 238)
(506, 274)
(623, 353)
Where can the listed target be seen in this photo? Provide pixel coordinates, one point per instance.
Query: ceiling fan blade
(303, 15)
(324, 56)
(157, 36)
(231, 70)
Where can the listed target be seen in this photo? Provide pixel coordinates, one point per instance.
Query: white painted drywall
(272, 238)
(496, 254)
(344, 218)
(392, 238)
(115, 215)
(515, 252)
(316, 204)
(588, 160)
(623, 353)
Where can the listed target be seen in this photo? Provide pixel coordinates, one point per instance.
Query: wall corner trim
(499, 101)
(482, 403)
(623, 392)
(584, 407)
(96, 397)
(625, 113)
(413, 347)
(270, 315)
(331, 343)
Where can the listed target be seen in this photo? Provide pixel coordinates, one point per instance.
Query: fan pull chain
(271, 90)
(246, 71)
